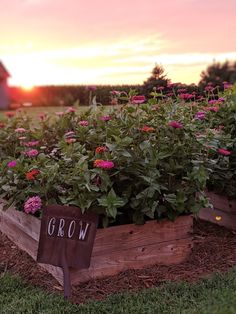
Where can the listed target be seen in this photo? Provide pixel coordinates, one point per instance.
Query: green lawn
(210, 296)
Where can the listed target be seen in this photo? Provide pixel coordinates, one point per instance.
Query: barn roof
(3, 71)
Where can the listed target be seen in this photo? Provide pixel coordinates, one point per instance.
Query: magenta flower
(213, 102)
(200, 115)
(182, 90)
(138, 99)
(209, 88)
(92, 87)
(20, 130)
(227, 85)
(105, 118)
(104, 164)
(224, 152)
(32, 205)
(186, 96)
(12, 164)
(83, 123)
(175, 124)
(31, 143)
(32, 153)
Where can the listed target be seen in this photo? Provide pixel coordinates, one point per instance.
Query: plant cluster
(138, 161)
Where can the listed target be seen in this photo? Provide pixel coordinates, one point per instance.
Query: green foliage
(152, 170)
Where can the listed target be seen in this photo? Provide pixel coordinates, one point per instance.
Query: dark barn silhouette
(4, 89)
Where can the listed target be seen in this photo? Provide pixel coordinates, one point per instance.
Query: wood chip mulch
(214, 250)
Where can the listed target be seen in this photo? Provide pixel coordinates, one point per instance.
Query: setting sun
(27, 87)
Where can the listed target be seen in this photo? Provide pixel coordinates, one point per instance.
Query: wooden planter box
(224, 212)
(115, 249)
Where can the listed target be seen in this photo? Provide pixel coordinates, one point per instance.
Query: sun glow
(28, 87)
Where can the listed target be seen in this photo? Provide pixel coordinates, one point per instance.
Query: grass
(35, 111)
(216, 295)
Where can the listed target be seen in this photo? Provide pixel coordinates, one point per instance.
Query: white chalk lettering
(71, 229)
(83, 232)
(60, 228)
(51, 226)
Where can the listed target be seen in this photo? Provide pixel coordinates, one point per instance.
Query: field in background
(35, 111)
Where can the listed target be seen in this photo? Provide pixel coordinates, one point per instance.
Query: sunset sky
(113, 42)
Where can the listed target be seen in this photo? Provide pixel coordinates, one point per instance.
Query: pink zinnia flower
(42, 116)
(32, 205)
(70, 109)
(186, 96)
(212, 102)
(182, 90)
(138, 99)
(200, 115)
(105, 118)
(209, 88)
(70, 140)
(32, 153)
(31, 143)
(92, 87)
(213, 108)
(20, 130)
(12, 164)
(104, 164)
(175, 124)
(2, 125)
(10, 114)
(227, 85)
(83, 123)
(224, 152)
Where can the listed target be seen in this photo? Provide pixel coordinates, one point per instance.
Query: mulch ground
(214, 250)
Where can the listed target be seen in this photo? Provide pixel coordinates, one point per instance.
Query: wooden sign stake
(66, 239)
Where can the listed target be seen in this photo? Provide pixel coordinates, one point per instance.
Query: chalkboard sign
(66, 239)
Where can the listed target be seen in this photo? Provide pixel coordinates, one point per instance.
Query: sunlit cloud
(131, 59)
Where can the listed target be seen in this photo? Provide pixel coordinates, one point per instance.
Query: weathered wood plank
(223, 213)
(172, 252)
(129, 236)
(115, 249)
(222, 203)
(218, 217)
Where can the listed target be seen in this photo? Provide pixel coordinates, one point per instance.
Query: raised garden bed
(116, 248)
(223, 213)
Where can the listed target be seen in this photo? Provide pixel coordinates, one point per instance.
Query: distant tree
(157, 79)
(217, 73)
